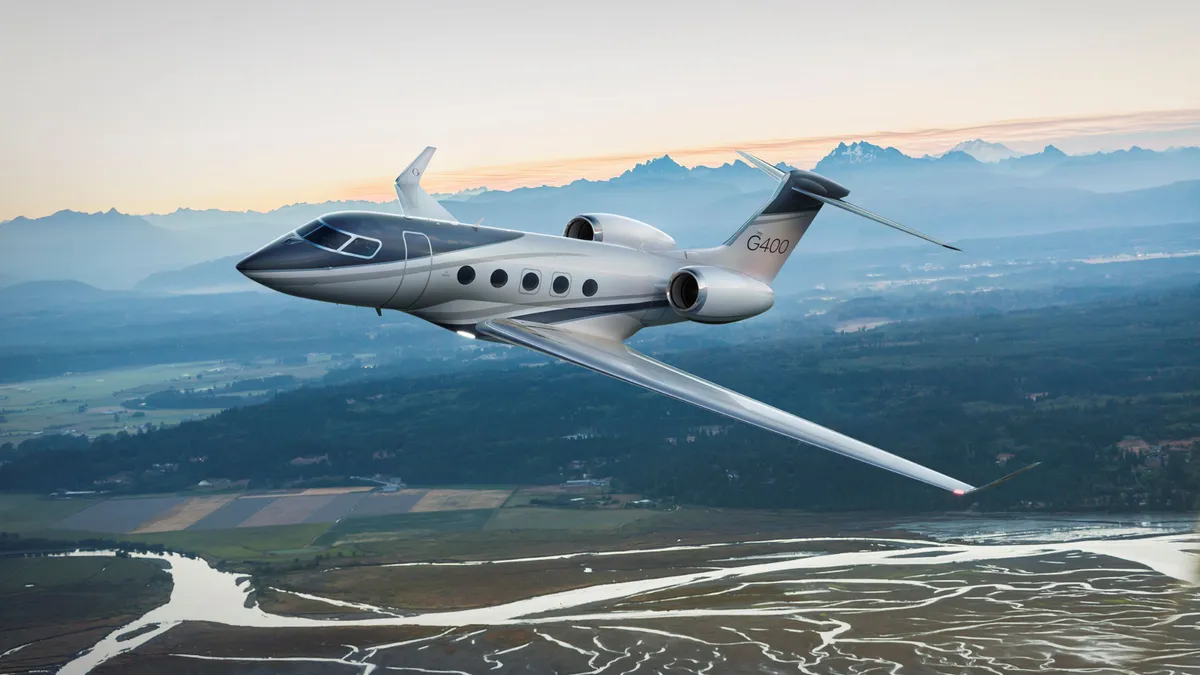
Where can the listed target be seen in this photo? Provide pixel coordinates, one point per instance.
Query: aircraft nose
(285, 253)
(274, 257)
(250, 263)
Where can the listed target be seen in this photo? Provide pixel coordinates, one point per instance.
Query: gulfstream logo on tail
(576, 297)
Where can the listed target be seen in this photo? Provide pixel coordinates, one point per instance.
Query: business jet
(579, 296)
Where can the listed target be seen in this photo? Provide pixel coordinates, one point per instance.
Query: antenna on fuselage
(414, 200)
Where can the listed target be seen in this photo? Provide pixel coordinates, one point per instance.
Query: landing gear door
(418, 262)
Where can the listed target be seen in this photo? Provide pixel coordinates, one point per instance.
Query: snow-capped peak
(985, 151)
(858, 152)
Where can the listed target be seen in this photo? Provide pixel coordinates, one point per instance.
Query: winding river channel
(1101, 588)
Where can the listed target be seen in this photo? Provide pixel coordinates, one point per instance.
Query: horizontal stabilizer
(772, 171)
(860, 211)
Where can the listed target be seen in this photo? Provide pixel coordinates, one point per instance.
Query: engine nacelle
(717, 295)
(613, 229)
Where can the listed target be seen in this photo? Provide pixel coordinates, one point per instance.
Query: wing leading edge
(620, 362)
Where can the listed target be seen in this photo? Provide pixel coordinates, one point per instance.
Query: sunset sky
(147, 107)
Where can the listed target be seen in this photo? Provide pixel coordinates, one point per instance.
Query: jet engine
(717, 295)
(613, 229)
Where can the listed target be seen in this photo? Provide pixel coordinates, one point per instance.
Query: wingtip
(412, 174)
(1002, 479)
(952, 248)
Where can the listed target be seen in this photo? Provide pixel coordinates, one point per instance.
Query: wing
(619, 361)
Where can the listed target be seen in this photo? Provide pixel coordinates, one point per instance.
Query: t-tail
(762, 245)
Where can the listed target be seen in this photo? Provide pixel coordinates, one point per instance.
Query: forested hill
(975, 397)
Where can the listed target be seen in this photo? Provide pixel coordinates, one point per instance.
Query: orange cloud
(803, 152)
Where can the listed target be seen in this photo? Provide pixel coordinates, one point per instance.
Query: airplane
(579, 296)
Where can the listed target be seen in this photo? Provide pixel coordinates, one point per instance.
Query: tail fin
(414, 201)
(762, 245)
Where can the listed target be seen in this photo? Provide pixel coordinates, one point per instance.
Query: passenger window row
(531, 280)
(320, 234)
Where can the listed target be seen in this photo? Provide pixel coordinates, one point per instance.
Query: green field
(242, 543)
(53, 404)
(352, 530)
(31, 575)
(25, 513)
(541, 518)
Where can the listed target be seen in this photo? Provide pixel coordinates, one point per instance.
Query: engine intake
(613, 229)
(717, 295)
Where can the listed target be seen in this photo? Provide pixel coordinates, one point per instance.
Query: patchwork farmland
(129, 515)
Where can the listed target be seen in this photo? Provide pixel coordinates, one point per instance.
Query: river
(1104, 583)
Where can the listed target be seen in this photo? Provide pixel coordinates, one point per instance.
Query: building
(588, 482)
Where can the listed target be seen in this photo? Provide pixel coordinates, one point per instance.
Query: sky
(151, 106)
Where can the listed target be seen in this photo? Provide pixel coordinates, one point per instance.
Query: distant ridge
(53, 293)
(212, 276)
(954, 195)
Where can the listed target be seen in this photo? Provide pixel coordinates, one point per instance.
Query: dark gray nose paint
(293, 253)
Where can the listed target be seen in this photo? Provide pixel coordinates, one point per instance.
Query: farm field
(297, 525)
(151, 514)
(90, 403)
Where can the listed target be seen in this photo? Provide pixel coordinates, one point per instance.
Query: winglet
(414, 201)
(1003, 479)
(412, 175)
(764, 166)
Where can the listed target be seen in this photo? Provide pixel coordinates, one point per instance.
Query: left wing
(616, 360)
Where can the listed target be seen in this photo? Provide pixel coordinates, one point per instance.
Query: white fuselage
(609, 290)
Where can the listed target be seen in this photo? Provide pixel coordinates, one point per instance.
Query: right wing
(618, 361)
(414, 200)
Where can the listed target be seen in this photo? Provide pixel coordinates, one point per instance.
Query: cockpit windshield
(305, 229)
(328, 237)
(320, 234)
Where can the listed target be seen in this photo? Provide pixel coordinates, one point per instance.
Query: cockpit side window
(362, 246)
(327, 237)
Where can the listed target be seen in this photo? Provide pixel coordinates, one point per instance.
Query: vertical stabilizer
(414, 201)
(762, 245)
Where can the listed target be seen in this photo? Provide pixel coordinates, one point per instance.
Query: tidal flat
(956, 593)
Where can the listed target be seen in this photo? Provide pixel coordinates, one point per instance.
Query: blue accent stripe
(573, 313)
(569, 314)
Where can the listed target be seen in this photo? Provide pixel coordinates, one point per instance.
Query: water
(1011, 593)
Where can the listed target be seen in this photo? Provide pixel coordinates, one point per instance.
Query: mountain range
(953, 196)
